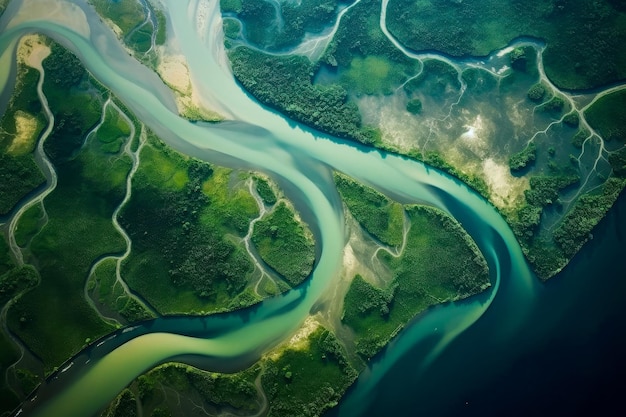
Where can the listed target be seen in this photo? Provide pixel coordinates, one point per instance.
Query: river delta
(303, 208)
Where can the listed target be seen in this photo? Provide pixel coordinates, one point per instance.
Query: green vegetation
(579, 138)
(29, 224)
(414, 106)
(231, 6)
(479, 81)
(440, 263)
(372, 75)
(136, 30)
(381, 217)
(571, 119)
(79, 229)
(554, 106)
(617, 160)
(307, 381)
(436, 160)
(265, 191)
(285, 244)
(578, 55)
(127, 15)
(20, 127)
(297, 18)
(536, 93)
(8, 356)
(523, 158)
(183, 218)
(13, 280)
(543, 192)
(164, 390)
(113, 132)
(607, 116)
(322, 107)
(436, 80)
(161, 34)
(111, 294)
(576, 227)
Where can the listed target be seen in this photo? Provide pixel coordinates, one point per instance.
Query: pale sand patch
(26, 127)
(66, 14)
(300, 340)
(506, 190)
(174, 72)
(32, 50)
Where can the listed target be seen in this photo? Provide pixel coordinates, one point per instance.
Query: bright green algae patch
(285, 244)
(380, 216)
(440, 263)
(578, 54)
(186, 221)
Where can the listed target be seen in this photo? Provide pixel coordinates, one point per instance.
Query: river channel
(301, 161)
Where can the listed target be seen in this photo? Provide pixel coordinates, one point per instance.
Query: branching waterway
(301, 162)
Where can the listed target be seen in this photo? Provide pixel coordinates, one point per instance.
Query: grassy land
(20, 127)
(29, 224)
(8, 355)
(182, 383)
(184, 219)
(549, 254)
(125, 14)
(112, 294)
(113, 132)
(13, 280)
(381, 217)
(79, 230)
(440, 263)
(608, 116)
(305, 381)
(265, 191)
(128, 15)
(579, 54)
(323, 107)
(285, 244)
(262, 29)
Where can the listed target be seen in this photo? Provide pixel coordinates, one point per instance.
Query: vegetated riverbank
(186, 219)
(20, 127)
(78, 228)
(445, 112)
(285, 243)
(306, 375)
(578, 56)
(142, 27)
(437, 263)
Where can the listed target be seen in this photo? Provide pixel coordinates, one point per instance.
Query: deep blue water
(567, 359)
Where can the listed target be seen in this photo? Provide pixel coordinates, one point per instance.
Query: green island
(285, 244)
(438, 263)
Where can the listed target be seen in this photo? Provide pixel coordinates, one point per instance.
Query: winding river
(301, 161)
